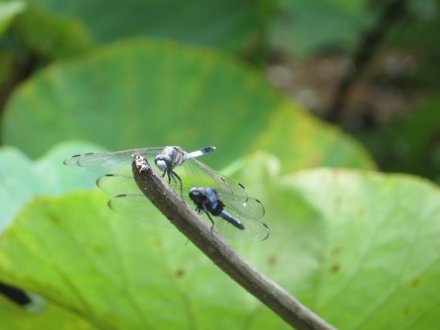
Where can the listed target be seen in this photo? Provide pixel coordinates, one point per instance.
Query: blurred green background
(313, 105)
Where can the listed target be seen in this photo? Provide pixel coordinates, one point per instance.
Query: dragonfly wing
(137, 207)
(111, 160)
(248, 211)
(124, 184)
(117, 184)
(196, 174)
(253, 231)
(242, 206)
(128, 200)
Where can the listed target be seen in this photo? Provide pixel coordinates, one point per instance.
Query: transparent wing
(138, 207)
(124, 184)
(111, 160)
(127, 199)
(242, 206)
(248, 211)
(254, 230)
(118, 184)
(196, 174)
(192, 172)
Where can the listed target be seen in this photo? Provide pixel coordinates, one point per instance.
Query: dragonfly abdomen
(229, 218)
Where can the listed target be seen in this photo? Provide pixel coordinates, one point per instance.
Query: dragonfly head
(197, 196)
(163, 162)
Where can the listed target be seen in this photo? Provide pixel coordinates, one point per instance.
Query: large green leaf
(300, 141)
(360, 249)
(377, 247)
(229, 24)
(147, 93)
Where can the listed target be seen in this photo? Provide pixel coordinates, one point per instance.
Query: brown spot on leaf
(272, 260)
(180, 273)
(335, 267)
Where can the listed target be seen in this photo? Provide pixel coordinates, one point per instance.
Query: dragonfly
(240, 214)
(182, 169)
(170, 161)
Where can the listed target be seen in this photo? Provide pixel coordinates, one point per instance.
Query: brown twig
(218, 250)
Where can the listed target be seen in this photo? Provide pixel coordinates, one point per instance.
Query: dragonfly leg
(175, 175)
(209, 216)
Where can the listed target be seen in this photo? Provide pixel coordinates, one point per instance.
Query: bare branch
(219, 251)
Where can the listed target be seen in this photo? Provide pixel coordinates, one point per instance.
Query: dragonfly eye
(196, 195)
(163, 163)
(194, 192)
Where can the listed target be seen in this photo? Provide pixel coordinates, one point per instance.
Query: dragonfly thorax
(206, 199)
